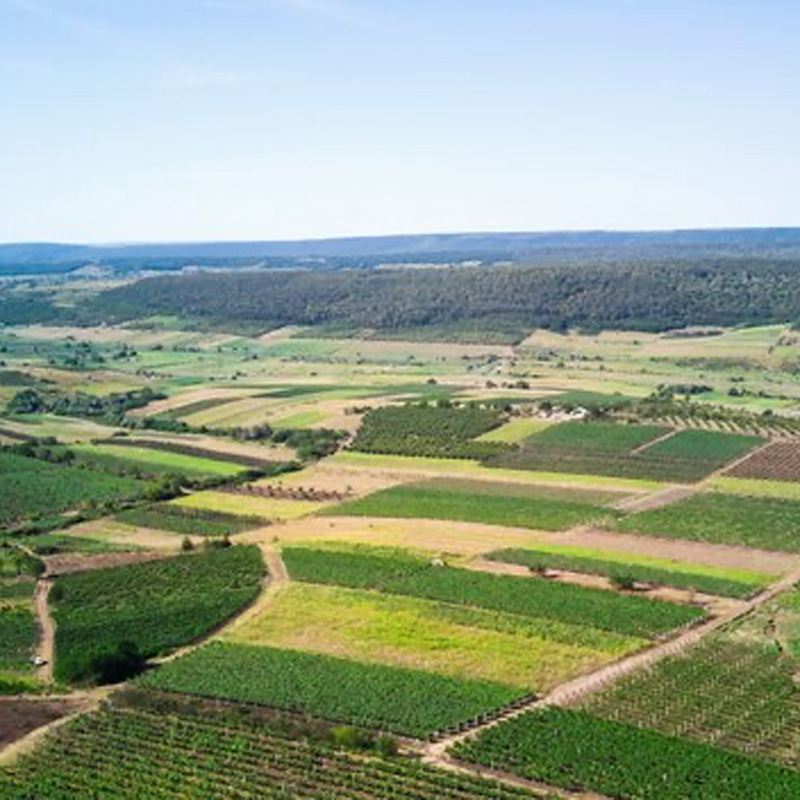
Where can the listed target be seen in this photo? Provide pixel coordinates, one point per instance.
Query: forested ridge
(651, 296)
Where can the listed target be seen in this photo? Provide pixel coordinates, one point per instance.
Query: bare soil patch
(18, 717)
(718, 555)
(67, 563)
(778, 461)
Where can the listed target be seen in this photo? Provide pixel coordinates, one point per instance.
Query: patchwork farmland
(461, 588)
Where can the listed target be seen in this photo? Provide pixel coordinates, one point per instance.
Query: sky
(178, 120)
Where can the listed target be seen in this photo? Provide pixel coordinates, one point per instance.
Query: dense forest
(650, 296)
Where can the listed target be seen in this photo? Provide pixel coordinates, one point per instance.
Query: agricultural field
(188, 521)
(386, 698)
(528, 597)
(533, 654)
(627, 451)
(641, 569)
(251, 759)
(779, 461)
(249, 506)
(471, 501)
(32, 488)
(317, 538)
(576, 750)
(150, 461)
(760, 522)
(156, 606)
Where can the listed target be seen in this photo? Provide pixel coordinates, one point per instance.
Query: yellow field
(246, 506)
(515, 431)
(404, 631)
(461, 467)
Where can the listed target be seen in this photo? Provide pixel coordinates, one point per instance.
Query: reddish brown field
(779, 461)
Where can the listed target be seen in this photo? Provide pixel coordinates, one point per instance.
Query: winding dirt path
(46, 647)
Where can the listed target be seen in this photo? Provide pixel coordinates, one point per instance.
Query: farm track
(46, 646)
(436, 753)
(665, 497)
(642, 448)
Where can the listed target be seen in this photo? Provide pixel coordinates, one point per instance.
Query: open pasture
(516, 430)
(532, 654)
(395, 699)
(761, 522)
(754, 487)
(469, 502)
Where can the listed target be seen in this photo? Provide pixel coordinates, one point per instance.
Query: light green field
(515, 431)
(755, 488)
(243, 505)
(672, 565)
(303, 419)
(449, 640)
(144, 458)
(455, 466)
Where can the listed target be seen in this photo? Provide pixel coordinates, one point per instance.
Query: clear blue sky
(244, 119)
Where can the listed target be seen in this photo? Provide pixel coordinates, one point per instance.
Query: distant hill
(552, 247)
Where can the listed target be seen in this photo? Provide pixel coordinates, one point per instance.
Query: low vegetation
(188, 521)
(148, 608)
(374, 696)
(575, 750)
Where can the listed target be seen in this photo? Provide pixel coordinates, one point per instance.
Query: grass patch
(515, 431)
(766, 523)
(240, 505)
(533, 654)
(401, 700)
(147, 459)
(750, 487)
(18, 633)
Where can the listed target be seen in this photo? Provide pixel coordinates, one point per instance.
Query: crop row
(433, 501)
(779, 461)
(189, 521)
(606, 437)
(432, 431)
(32, 488)
(538, 560)
(18, 633)
(139, 754)
(735, 695)
(396, 699)
(179, 448)
(156, 606)
(768, 523)
(531, 597)
(576, 750)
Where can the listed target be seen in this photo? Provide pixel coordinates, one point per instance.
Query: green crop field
(530, 597)
(31, 488)
(188, 521)
(729, 692)
(250, 759)
(18, 634)
(371, 695)
(532, 654)
(767, 523)
(711, 446)
(158, 605)
(579, 751)
(662, 572)
(471, 504)
(607, 437)
(148, 460)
